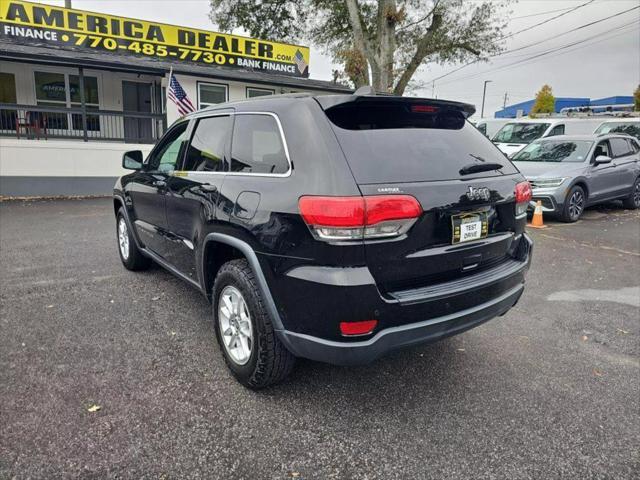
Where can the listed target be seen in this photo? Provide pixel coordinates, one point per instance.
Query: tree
(381, 43)
(636, 99)
(545, 101)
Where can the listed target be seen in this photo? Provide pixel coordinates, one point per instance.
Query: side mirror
(132, 160)
(600, 159)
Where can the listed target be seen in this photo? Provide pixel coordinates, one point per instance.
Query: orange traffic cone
(536, 221)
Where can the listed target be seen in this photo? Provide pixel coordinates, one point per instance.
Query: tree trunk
(387, 21)
(423, 49)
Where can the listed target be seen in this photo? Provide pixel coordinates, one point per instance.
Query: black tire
(574, 205)
(269, 361)
(632, 202)
(132, 258)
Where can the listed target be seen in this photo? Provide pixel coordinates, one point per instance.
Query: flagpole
(166, 91)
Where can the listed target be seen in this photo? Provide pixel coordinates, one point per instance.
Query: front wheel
(131, 256)
(244, 331)
(632, 202)
(574, 205)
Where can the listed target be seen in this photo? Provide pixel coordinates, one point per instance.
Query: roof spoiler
(368, 90)
(367, 94)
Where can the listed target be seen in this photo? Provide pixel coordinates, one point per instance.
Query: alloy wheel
(234, 322)
(576, 204)
(123, 238)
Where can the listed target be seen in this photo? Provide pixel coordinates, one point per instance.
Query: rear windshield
(520, 132)
(630, 128)
(402, 142)
(554, 151)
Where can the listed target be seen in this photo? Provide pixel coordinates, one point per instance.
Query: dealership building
(569, 103)
(77, 89)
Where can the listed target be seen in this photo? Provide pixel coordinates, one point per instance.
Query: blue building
(562, 102)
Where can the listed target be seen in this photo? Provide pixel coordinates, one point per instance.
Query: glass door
(136, 97)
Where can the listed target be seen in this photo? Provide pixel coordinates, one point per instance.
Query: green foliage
(397, 37)
(545, 101)
(636, 99)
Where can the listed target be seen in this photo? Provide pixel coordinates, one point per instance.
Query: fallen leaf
(155, 298)
(461, 350)
(597, 372)
(624, 332)
(585, 338)
(49, 306)
(172, 332)
(94, 408)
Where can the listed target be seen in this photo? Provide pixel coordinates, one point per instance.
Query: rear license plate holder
(470, 226)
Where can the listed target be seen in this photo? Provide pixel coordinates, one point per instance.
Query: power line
(537, 43)
(554, 50)
(572, 30)
(540, 13)
(548, 52)
(545, 21)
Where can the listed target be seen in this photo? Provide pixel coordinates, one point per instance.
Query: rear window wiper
(479, 167)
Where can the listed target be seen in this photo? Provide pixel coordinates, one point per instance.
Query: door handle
(159, 183)
(207, 187)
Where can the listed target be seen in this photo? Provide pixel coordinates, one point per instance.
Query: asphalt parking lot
(551, 390)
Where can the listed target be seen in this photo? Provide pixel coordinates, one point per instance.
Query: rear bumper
(385, 341)
(318, 298)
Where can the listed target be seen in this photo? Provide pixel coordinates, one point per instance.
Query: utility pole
(484, 94)
(67, 3)
(506, 98)
(433, 89)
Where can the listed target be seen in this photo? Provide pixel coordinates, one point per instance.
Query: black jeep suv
(336, 228)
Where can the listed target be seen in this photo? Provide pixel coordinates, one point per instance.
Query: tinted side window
(207, 147)
(257, 145)
(165, 156)
(557, 130)
(634, 146)
(619, 147)
(602, 150)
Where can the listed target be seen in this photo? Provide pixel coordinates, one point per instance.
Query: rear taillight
(523, 196)
(364, 327)
(359, 218)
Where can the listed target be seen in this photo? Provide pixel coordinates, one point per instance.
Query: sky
(606, 64)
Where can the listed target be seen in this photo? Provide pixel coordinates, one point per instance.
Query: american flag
(177, 95)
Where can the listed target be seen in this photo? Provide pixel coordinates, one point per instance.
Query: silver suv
(570, 172)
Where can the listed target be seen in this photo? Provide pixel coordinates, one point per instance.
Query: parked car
(336, 228)
(569, 173)
(513, 136)
(629, 126)
(490, 126)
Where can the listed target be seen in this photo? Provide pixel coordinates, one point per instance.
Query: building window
(211, 94)
(7, 88)
(63, 90)
(7, 95)
(90, 99)
(259, 92)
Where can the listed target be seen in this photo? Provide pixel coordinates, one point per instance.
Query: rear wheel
(244, 330)
(132, 258)
(633, 200)
(574, 204)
